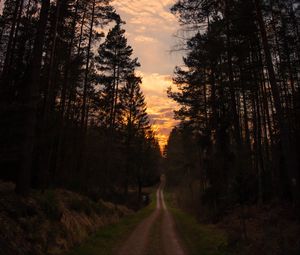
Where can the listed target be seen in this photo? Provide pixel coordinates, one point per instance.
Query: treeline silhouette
(238, 141)
(72, 111)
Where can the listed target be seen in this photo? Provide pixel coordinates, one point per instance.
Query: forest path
(155, 235)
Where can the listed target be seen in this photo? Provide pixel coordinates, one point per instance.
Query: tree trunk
(283, 129)
(30, 98)
(86, 74)
(6, 64)
(66, 86)
(84, 106)
(236, 120)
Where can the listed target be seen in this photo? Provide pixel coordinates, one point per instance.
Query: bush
(50, 205)
(80, 205)
(86, 206)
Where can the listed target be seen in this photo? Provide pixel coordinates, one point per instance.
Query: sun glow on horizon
(150, 28)
(160, 108)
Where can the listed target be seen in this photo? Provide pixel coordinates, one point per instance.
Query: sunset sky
(150, 28)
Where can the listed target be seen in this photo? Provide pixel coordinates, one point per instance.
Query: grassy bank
(198, 238)
(51, 221)
(105, 241)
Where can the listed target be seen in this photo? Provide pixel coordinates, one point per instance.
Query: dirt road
(155, 235)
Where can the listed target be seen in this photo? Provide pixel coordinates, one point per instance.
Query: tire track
(139, 243)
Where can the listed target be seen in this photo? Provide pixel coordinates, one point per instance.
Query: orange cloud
(151, 22)
(160, 107)
(150, 28)
(144, 39)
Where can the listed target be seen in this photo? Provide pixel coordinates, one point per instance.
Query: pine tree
(115, 64)
(236, 95)
(136, 124)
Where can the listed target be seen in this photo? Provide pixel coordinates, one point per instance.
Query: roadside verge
(109, 238)
(198, 238)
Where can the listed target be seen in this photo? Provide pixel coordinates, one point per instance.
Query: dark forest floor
(272, 229)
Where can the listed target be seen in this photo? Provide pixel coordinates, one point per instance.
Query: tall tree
(29, 98)
(115, 65)
(235, 90)
(136, 125)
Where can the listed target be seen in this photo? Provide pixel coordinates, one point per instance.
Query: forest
(73, 114)
(238, 91)
(80, 150)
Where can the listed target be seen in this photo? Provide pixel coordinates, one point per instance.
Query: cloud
(155, 9)
(160, 107)
(144, 39)
(150, 27)
(147, 19)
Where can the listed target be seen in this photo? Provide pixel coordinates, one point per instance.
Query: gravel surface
(139, 242)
